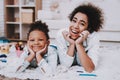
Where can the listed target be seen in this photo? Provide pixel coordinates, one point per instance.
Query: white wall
(111, 9)
(1, 17)
(111, 28)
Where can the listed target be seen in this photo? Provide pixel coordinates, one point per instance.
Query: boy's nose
(36, 42)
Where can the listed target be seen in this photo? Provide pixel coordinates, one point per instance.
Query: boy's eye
(40, 39)
(32, 40)
(37, 40)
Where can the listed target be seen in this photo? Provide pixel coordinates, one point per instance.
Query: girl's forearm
(85, 60)
(71, 49)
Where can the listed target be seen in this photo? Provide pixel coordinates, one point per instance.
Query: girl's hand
(85, 33)
(66, 35)
(83, 37)
(42, 50)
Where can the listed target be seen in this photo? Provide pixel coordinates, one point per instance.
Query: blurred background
(55, 14)
(16, 15)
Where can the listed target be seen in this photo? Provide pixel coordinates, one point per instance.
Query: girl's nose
(76, 25)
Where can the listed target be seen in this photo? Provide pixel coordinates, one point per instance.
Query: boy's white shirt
(47, 64)
(93, 48)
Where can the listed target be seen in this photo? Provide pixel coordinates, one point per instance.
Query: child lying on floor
(39, 54)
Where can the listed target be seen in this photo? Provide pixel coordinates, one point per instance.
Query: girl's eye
(82, 24)
(73, 20)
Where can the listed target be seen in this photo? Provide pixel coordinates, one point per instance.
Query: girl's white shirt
(92, 48)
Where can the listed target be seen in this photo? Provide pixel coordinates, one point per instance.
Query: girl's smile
(78, 24)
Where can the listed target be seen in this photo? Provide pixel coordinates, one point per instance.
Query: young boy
(39, 54)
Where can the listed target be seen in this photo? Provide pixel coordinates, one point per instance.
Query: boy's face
(37, 40)
(78, 24)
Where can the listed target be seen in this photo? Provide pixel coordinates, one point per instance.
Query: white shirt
(92, 48)
(49, 62)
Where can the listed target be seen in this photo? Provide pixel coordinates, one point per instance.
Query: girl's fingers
(65, 33)
(85, 32)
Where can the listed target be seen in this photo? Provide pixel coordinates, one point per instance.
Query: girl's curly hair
(94, 14)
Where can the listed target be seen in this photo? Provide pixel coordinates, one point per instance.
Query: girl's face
(37, 40)
(78, 24)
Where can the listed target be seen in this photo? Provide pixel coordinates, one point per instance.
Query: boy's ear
(48, 42)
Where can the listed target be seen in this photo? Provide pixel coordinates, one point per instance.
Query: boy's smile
(37, 40)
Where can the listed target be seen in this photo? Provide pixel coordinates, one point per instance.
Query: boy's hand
(23, 66)
(42, 50)
(30, 50)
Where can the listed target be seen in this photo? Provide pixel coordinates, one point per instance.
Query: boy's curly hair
(94, 14)
(38, 25)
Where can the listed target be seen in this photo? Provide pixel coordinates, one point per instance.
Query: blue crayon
(3, 61)
(88, 75)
